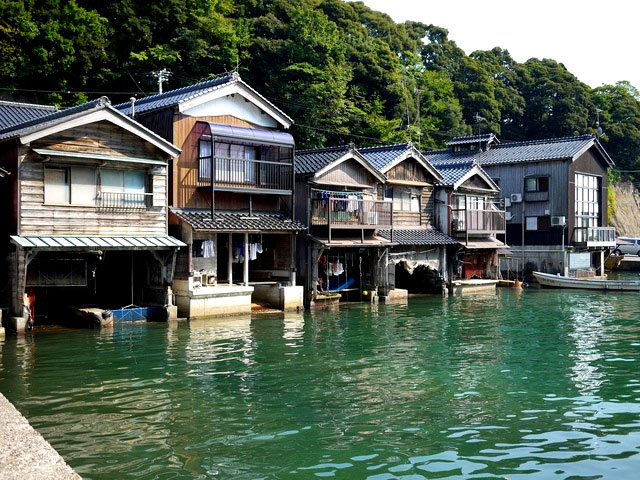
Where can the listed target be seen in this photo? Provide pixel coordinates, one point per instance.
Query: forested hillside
(342, 71)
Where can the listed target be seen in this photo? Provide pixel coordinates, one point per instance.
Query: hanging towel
(339, 268)
(208, 249)
(259, 247)
(253, 251)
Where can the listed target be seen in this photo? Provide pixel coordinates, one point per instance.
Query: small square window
(532, 223)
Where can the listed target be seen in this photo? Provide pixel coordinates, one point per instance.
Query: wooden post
(329, 217)
(246, 260)
(292, 266)
(230, 259)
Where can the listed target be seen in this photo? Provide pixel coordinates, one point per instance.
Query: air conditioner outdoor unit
(558, 221)
(516, 197)
(508, 216)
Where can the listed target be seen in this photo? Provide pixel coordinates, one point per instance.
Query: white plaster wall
(234, 105)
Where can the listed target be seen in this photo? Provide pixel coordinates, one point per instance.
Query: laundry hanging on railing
(238, 251)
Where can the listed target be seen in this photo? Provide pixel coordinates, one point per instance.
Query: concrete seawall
(24, 453)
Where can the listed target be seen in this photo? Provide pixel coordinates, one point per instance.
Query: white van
(627, 246)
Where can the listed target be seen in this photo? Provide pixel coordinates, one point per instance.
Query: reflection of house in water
(86, 209)
(231, 194)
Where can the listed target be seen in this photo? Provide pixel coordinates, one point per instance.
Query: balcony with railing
(478, 221)
(348, 213)
(123, 201)
(237, 174)
(594, 237)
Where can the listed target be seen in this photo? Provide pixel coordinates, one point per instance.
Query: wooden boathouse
(231, 195)
(84, 213)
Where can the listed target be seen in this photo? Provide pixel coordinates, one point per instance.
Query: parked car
(627, 245)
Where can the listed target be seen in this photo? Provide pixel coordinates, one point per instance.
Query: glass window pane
(112, 180)
(135, 182)
(532, 223)
(56, 185)
(532, 184)
(205, 149)
(83, 186)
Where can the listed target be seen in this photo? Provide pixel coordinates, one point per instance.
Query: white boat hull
(558, 281)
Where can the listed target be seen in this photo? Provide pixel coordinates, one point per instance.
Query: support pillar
(292, 277)
(230, 259)
(245, 278)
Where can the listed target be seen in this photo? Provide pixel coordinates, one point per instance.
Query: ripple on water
(541, 385)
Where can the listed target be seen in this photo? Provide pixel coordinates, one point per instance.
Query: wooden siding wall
(349, 172)
(512, 181)
(476, 182)
(408, 170)
(36, 218)
(427, 206)
(101, 137)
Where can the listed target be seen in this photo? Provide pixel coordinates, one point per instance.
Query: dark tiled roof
(310, 161)
(452, 172)
(417, 236)
(468, 139)
(183, 94)
(517, 152)
(224, 222)
(14, 113)
(380, 157)
(51, 118)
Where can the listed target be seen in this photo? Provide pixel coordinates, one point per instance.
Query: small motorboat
(559, 281)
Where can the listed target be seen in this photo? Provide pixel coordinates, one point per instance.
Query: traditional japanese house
(419, 259)
(85, 209)
(555, 194)
(468, 209)
(336, 191)
(231, 196)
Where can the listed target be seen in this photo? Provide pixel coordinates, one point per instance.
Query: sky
(596, 40)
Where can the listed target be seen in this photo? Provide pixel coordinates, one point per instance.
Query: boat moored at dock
(558, 281)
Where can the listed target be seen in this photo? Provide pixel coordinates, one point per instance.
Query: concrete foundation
(212, 301)
(286, 298)
(16, 324)
(397, 295)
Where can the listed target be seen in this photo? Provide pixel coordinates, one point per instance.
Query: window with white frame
(406, 199)
(587, 204)
(70, 185)
(124, 186)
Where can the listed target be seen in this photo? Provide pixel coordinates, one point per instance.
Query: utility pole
(162, 76)
(418, 93)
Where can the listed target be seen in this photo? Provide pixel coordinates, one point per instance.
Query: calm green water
(541, 385)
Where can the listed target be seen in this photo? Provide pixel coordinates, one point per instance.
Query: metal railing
(123, 200)
(478, 221)
(245, 173)
(346, 212)
(595, 236)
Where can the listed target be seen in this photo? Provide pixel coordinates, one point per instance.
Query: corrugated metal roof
(310, 161)
(417, 236)
(66, 242)
(258, 135)
(519, 152)
(15, 113)
(183, 94)
(241, 222)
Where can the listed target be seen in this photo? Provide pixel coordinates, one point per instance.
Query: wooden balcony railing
(243, 173)
(594, 236)
(474, 221)
(123, 201)
(350, 213)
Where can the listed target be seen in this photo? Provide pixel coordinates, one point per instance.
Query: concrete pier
(24, 454)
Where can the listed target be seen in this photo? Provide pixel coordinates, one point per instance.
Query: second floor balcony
(246, 174)
(594, 237)
(348, 213)
(489, 220)
(123, 201)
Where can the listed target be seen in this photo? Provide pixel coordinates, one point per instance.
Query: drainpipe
(246, 260)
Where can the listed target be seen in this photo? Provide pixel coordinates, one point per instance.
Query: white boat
(559, 281)
(473, 285)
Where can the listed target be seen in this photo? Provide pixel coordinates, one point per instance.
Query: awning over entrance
(417, 236)
(80, 243)
(375, 241)
(486, 244)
